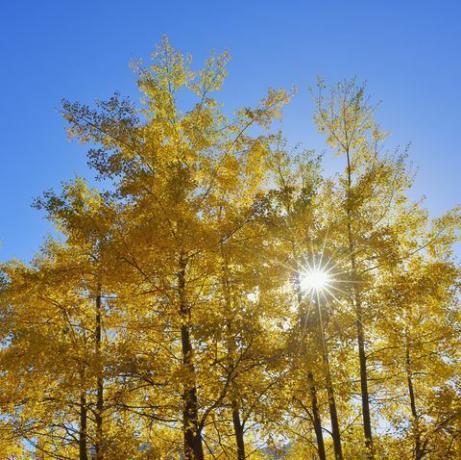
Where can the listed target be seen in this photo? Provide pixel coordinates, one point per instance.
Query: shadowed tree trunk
(238, 428)
(236, 420)
(231, 348)
(100, 382)
(193, 448)
(82, 440)
(359, 321)
(418, 450)
(335, 433)
(316, 418)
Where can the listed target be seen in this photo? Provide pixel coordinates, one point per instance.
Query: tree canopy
(218, 296)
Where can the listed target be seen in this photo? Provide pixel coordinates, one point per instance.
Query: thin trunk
(359, 323)
(236, 420)
(364, 384)
(419, 453)
(193, 448)
(82, 441)
(238, 429)
(317, 421)
(335, 433)
(231, 348)
(100, 381)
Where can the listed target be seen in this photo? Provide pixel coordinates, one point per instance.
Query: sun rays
(314, 280)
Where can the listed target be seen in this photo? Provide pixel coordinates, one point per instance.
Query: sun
(314, 280)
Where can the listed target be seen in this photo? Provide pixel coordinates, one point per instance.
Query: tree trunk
(82, 441)
(317, 421)
(363, 379)
(193, 449)
(100, 381)
(238, 425)
(238, 429)
(359, 323)
(335, 433)
(231, 348)
(419, 454)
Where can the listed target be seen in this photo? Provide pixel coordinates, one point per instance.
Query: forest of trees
(168, 318)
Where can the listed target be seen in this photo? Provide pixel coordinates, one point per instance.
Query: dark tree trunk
(359, 323)
(317, 421)
(335, 433)
(316, 418)
(100, 382)
(364, 383)
(419, 451)
(82, 441)
(193, 448)
(238, 425)
(238, 429)
(231, 348)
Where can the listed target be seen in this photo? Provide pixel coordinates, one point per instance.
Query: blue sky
(407, 51)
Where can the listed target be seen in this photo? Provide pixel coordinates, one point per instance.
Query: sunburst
(314, 280)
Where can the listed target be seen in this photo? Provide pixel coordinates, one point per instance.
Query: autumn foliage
(169, 319)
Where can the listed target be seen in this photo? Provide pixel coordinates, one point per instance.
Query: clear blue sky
(408, 51)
